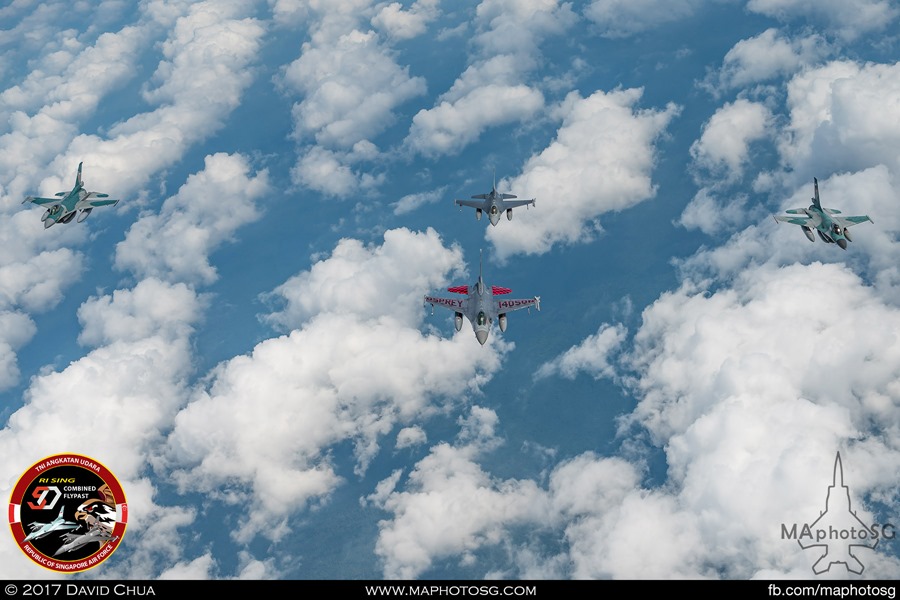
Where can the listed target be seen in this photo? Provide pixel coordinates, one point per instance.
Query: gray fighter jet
(74, 541)
(66, 205)
(832, 229)
(39, 530)
(494, 204)
(480, 306)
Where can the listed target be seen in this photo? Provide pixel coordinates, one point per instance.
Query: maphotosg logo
(838, 533)
(68, 513)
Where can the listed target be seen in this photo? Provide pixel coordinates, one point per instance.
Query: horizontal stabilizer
(498, 291)
(480, 196)
(99, 195)
(61, 193)
(459, 289)
(832, 211)
(796, 211)
(508, 196)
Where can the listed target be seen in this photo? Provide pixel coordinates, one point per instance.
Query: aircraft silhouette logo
(838, 532)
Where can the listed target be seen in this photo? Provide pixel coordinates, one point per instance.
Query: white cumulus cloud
(206, 211)
(493, 90)
(591, 355)
(724, 145)
(764, 57)
(350, 85)
(451, 506)
(848, 19)
(600, 161)
(623, 18)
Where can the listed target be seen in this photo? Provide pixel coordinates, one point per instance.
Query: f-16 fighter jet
(39, 530)
(831, 228)
(494, 203)
(66, 205)
(480, 306)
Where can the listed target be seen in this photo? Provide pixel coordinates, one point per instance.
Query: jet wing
(849, 221)
(508, 204)
(795, 220)
(95, 199)
(40, 201)
(454, 304)
(95, 203)
(505, 306)
(470, 203)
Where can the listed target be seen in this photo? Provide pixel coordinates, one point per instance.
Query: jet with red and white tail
(481, 306)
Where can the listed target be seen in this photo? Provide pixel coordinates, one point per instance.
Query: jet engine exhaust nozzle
(809, 233)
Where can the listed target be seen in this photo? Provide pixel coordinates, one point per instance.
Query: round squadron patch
(68, 513)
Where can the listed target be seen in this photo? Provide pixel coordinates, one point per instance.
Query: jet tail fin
(78, 177)
(480, 260)
(815, 198)
(479, 285)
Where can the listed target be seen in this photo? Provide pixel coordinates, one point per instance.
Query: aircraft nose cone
(48, 223)
(482, 336)
(842, 244)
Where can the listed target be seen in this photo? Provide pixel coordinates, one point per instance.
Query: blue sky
(242, 340)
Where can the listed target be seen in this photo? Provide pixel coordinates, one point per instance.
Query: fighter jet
(480, 306)
(494, 204)
(832, 229)
(66, 205)
(39, 530)
(74, 541)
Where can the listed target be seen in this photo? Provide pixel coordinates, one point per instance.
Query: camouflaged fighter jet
(494, 204)
(480, 306)
(66, 205)
(832, 229)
